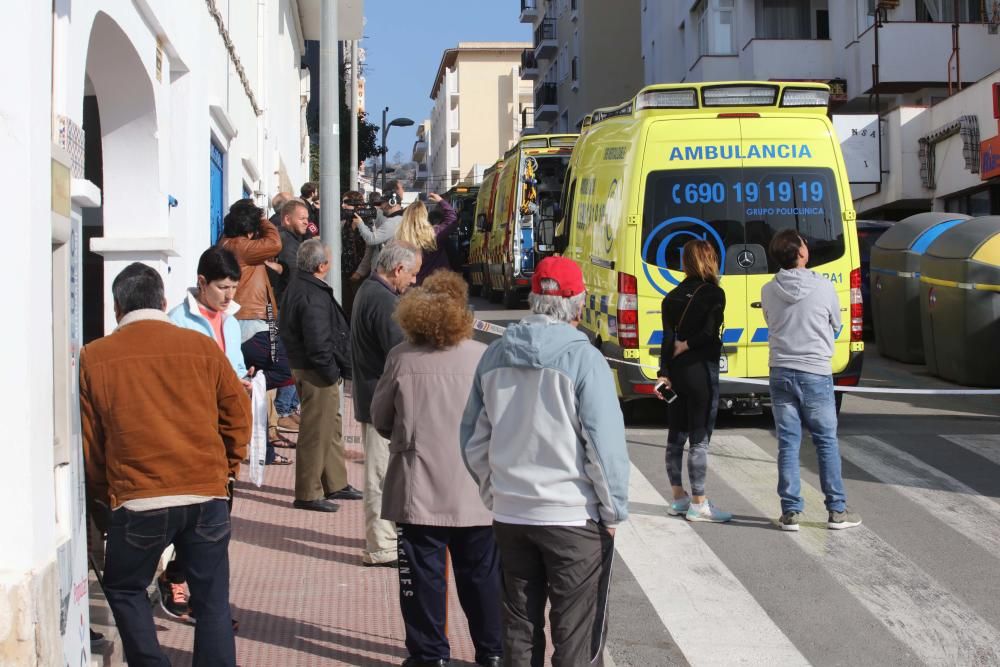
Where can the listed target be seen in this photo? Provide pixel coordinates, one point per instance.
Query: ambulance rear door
(688, 166)
(798, 190)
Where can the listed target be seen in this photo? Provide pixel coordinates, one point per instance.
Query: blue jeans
(200, 534)
(286, 400)
(799, 398)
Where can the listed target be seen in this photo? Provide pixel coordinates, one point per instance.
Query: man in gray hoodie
(802, 311)
(544, 438)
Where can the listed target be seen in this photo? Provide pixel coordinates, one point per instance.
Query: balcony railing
(545, 37)
(529, 65)
(529, 11)
(527, 117)
(546, 101)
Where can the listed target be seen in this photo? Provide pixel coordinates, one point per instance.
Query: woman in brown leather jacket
(249, 235)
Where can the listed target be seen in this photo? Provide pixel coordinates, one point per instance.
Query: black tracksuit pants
(423, 591)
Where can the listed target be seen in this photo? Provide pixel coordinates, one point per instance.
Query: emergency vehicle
(525, 214)
(481, 226)
(463, 199)
(731, 163)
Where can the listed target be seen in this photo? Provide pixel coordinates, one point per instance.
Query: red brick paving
(297, 586)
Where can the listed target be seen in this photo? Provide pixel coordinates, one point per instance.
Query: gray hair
(311, 254)
(396, 253)
(137, 287)
(563, 309)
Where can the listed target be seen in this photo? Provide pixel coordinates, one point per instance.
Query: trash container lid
(965, 241)
(917, 232)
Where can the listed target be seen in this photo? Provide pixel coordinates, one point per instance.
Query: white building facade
(892, 59)
(134, 126)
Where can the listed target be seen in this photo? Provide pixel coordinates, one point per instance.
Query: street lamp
(401, 122)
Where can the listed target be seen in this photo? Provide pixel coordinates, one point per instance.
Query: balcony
(527, 118)
(789, 59)
(421, 176)
(529, 66)
(900, 71)
(546, 101)
(419, 150)
(529, 11)
(546, 45)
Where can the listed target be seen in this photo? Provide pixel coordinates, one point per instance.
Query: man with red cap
(544, 438)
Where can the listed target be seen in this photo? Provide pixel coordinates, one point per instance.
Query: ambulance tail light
(628, 311)
(857, 307)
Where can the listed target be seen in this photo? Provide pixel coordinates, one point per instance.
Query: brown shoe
(288, 424)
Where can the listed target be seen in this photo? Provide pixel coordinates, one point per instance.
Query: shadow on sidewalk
(304, 637)
(293, 540)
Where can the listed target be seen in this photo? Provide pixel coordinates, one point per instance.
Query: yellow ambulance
(481, 228)
(525, 213)
(731, 163)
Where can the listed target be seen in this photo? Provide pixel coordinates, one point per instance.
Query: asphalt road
(916, 584)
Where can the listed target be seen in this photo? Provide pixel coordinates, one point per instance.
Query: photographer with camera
(386, 223)
(353, 247)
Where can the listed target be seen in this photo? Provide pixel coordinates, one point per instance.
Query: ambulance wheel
(493, 295)
(473, 289)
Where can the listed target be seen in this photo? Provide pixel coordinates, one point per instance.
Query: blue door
(215, 181)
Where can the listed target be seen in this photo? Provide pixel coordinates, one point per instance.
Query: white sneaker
(706, 511)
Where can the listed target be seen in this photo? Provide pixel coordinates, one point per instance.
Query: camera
(354, 204)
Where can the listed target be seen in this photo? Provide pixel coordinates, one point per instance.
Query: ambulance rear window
(741, 209)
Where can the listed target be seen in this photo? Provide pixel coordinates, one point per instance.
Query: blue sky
(404, 40)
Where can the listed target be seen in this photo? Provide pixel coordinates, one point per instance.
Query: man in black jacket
(317, 338)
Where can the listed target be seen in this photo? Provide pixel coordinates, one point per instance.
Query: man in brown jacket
(165, 425)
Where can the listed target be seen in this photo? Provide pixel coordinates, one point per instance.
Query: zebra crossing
(917, 590)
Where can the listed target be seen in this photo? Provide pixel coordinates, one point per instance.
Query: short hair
(217, 263)
(279, 199)
(308, 189)
(784, 248)
(243, 218)
(311, 255)
(289, 207)
(699, 260)
(390, 187)
(436, 314)
(397, 253)
(563, 309)
(137, 286)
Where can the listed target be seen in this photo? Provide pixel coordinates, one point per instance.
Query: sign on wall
(859, 142)
(989, 158)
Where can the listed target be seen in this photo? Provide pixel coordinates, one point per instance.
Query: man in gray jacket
(374, 331)
(802, 311)
(543, 437)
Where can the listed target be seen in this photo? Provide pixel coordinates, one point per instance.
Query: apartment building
(477, 115)
(893, 59)
(585, 54)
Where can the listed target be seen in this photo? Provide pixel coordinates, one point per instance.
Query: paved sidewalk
(297, 585)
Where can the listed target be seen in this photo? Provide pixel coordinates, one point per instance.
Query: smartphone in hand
(668, 394)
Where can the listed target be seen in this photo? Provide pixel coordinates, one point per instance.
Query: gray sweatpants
(569, 565)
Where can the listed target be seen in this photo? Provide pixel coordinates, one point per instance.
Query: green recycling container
(960, 303)
(894, 282)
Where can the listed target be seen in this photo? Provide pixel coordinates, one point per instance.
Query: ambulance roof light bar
(739, 96)
(805, 97)
(685, 98)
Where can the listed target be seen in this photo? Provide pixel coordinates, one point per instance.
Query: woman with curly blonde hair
(417, 229)
(418, 405)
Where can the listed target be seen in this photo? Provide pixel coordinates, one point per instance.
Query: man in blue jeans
(165, 424)
(802, 312)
